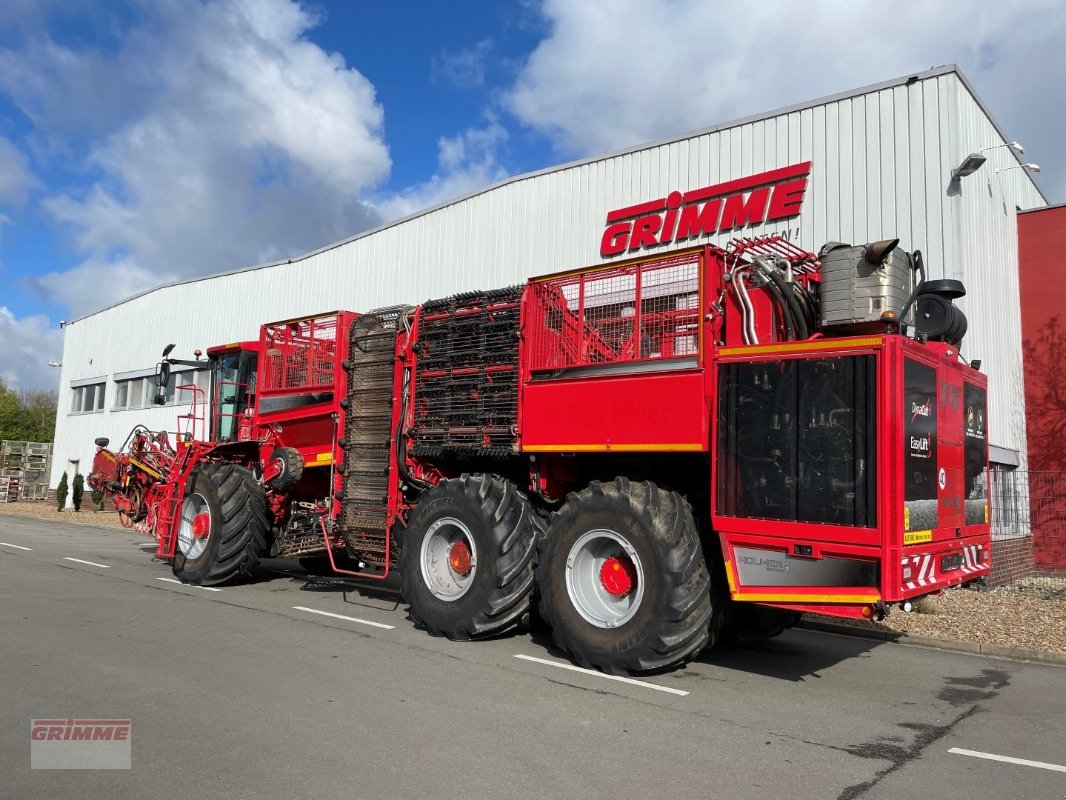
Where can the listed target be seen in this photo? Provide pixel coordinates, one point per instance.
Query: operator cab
(233, 385)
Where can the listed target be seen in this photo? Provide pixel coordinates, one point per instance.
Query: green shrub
(61, 493)
(77, 491)
(98, 500)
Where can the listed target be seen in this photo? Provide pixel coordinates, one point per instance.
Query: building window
(131, 393)
(87, 399)
(1007, 496)
(140, 393)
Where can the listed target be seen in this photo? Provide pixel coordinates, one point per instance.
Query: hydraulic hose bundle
(795, 305)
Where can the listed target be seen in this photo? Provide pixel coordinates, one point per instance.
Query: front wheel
(467, 557)
(222, 532)
(623, 583)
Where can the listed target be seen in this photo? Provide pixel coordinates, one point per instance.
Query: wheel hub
(617, 575)
(201, 526)
(460, 559)
(448, 558)
(194, 529)
(604, 578)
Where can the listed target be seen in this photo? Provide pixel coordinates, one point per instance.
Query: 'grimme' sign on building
(757, 199)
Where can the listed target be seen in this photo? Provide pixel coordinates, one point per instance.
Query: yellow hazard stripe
(800, 347)
(146, 468)
(602, 448)
(779, 597)
(759, 597)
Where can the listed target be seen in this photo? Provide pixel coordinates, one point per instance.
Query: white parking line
(90, 563)
(16, 546)
(341, 616)
(175, 580)
(1007, 759)
(594, 673)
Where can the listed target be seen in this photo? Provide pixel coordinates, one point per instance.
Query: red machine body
(805, 464)
(638, 362)
(274, 408)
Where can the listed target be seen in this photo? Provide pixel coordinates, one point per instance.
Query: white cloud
(26, 347)
(466, 67)
(16, 179)
(231, 138)
(465, 162)
(613, 75)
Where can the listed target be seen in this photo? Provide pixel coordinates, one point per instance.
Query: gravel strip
(1029, 614)
(43, 510)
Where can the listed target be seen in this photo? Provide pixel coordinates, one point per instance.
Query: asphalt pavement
(291, 687)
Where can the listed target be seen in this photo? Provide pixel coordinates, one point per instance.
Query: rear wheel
(467, 557)
(223, 528)
(622, 578)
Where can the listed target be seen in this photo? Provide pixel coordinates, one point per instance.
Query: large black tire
(239, 527)
(503, 531)
(672, 621)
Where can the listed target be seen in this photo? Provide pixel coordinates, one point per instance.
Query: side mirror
(167, 349)
(160, 399)
(163, 375)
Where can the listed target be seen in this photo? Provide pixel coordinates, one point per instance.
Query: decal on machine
(975, 454)
(920, 473)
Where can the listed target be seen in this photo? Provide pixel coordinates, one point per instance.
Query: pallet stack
(24, 470)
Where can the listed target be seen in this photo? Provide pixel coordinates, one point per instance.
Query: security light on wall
(1015, 146)
(969, 166)
(1026, 167)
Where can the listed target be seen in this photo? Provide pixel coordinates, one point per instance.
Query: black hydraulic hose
(786, 315)
(807, 303)
(793, 304)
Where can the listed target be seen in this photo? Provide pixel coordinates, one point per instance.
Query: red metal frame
(570, 404)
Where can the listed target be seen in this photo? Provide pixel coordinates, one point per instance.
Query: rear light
(907, 572)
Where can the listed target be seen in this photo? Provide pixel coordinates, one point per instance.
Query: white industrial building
(881, 166)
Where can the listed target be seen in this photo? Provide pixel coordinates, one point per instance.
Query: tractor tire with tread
(504, 529)
(240, 528)
(673, 621)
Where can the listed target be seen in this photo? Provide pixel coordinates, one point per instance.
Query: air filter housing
(936, 317)
(862, 282)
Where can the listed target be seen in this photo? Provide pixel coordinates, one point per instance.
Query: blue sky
(145, 141)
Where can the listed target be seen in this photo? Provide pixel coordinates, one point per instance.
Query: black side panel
(975, 449)
(797, 440)
(919, 446)
(466, 385)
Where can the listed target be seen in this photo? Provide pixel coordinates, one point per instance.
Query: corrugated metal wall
(881, 167)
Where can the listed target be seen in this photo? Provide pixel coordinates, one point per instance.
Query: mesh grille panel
(466, 387)
(618, 314)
